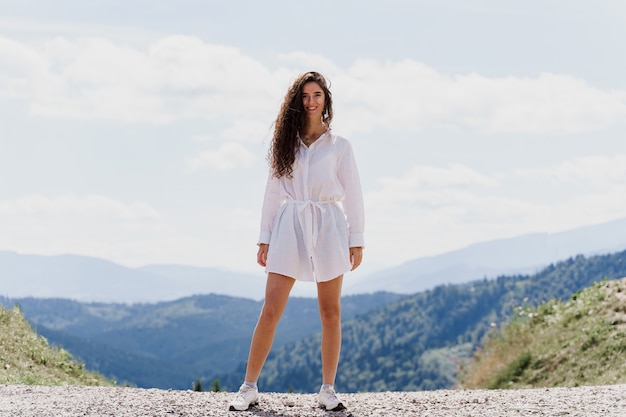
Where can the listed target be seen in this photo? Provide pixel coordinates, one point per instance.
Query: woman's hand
(356, 256)
(261, 255)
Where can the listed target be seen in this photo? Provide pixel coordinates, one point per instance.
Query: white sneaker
(328, 399)
(246, 397)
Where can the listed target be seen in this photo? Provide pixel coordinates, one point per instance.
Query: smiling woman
(311, 227)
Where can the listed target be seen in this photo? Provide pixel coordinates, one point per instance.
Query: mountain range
(390, 341)
(91, 279)
(525, 254)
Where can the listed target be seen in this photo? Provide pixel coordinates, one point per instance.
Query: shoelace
(331, 393)
(242, 392)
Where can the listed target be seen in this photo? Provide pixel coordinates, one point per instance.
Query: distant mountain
(91, 279)
(519, 255)
(194, 280)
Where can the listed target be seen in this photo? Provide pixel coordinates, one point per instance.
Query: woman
(311, 227)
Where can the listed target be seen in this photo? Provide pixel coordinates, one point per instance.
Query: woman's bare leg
(277, 292)
(329, 301)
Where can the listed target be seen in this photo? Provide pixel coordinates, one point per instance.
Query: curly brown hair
(291, 120)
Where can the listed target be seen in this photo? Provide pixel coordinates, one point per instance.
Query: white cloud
(429, 186)
(132, 233)
(254, 131)
(409, 95)
(89, 225)
(419, 211)
(183, 77)
(601, 171)
(89, 206)
(177, 77)
(550, 103)
(431, 210)
(17, 58)
(24, 70)
(453, 175)
(305, 61)
(227, 157)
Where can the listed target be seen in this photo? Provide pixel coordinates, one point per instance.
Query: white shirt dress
(312, 219)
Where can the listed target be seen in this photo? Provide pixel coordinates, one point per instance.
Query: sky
(137, 130)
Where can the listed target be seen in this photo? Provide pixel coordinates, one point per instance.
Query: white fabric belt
(309, 219)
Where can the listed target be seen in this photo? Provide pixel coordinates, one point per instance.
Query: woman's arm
(348, 175)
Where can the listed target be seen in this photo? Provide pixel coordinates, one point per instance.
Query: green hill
(578, 342)
(27, 358)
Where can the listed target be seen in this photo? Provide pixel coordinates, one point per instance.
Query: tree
(197, 385)
(216, 386)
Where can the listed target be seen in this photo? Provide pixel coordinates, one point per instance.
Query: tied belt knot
(310, 211)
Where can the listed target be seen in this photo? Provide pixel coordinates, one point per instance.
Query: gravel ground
(35, 401)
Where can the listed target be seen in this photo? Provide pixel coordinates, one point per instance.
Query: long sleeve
(271, 202)
(348, 175)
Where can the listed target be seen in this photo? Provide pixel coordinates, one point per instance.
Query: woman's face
(313, 100)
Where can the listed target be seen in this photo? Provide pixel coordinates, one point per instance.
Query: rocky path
(35, 401)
